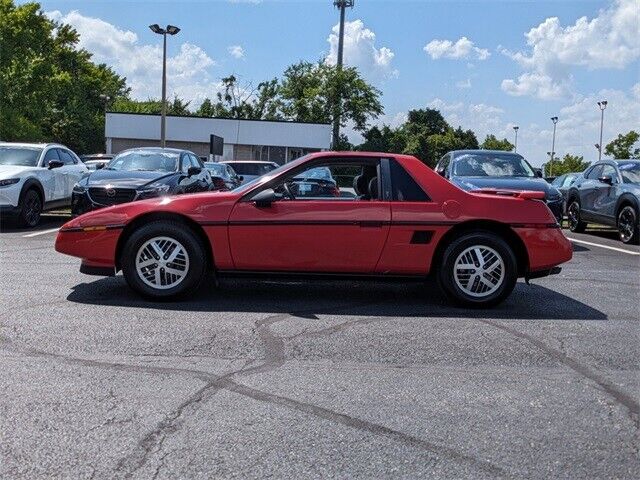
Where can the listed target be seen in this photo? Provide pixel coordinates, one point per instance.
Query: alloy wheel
(479, 271)
(32, 209)
(626, 223)
(573, 214)
(162, 263)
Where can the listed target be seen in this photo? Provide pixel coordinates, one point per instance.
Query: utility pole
(335, 137)
(515, 146)
(553, 145)
(171, 30)
(602, 104)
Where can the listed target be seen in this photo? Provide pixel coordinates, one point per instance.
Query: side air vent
(421, 237)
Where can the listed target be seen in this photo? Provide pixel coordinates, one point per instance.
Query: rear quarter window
(404, 187)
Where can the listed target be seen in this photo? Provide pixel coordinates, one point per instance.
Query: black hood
(507, 183)
(123, 178)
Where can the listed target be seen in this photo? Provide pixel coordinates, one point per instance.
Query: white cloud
(236, 51)
(461, 49)
(188, 71)
(360, 51)
(607, 41)
(464, 84)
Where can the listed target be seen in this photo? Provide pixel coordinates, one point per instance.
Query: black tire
(628, 226)
(482, 239)
(30, 208)
(576, 225)
(195, 265)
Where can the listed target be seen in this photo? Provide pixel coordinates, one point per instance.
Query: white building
(276, 141)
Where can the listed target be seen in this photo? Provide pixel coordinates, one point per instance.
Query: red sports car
(394, 217)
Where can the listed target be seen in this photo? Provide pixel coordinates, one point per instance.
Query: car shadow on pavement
(47, 221)
(306, 299)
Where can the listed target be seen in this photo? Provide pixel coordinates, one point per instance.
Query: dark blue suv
(607, 193)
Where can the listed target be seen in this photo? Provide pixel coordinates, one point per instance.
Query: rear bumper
(546, 248)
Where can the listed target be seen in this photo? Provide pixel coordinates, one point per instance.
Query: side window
(347, 182)
(559, 181)
(569, 179)
(196, 161)
(443, 165)
(186, 162)
(594, 173)
(66, 157)
(405, 188)
(51, 154)
(610, 171)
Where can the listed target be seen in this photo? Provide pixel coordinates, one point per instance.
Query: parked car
(410, 223)
(225, 174)
(96, 161)
(35, 177)
(607, 193)
(141, 173)
(316, 182)
(563, 182)
(250, 170)
(477, 170)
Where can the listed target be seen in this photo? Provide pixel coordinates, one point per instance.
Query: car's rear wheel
(628, 227)
(164, 260)
(478, 269)
(30, 209)
(573, 214)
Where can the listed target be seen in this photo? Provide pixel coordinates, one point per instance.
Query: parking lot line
(43, 232)
(604, 246)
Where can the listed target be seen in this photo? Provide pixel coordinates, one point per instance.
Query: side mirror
(606, 179)
(194, 171)
(55, 164)
(265, 198)
(241, 178)
(538, 173)
(100, 166)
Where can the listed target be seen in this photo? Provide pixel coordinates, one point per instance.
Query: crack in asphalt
(614, 391)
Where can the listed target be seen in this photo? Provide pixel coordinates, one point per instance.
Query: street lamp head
(554, 119)
(345, 3)
(602, 104)
(155, 28)
(172, 29)
(516, 127)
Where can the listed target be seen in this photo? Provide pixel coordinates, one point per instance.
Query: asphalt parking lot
(293, 380)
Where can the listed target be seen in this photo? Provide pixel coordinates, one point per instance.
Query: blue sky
(488, 65)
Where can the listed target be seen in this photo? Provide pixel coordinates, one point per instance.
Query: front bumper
(557, 208)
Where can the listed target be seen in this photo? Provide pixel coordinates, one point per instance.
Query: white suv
(35, 177)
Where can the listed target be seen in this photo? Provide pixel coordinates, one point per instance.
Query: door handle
(370, 224)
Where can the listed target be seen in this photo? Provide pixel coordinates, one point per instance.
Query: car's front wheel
(573, 214)
(30, 209)
(164, 260)
(628, 227)
(478, 269)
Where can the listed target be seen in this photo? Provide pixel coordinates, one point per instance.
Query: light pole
(105, 99)
(553, 144)
(335, 136)
(549, 166)
(602, 104)
(515, 146)
(171, 30)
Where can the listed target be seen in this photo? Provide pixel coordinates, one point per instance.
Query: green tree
(492, 143)
(51, 91)
(568, 164)
(177, 106)
(308, 92)
(623, 146)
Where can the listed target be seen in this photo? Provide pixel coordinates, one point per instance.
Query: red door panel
(309, 235)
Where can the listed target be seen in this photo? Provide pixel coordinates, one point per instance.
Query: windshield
(492, 165)
(145, 160)
(248, 168)
(217, 169)
(630, 172)
(318, 173)
(23, 156)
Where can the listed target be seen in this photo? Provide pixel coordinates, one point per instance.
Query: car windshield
(248, 168)
(630, 172)
(492, 165)
(145, 160)
(22, 156)
(217, 169)
(318, 173)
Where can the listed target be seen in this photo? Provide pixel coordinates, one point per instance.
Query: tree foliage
(51, 91)
(425, 134)
(623, 146)
(492, 143)
(568, 164)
